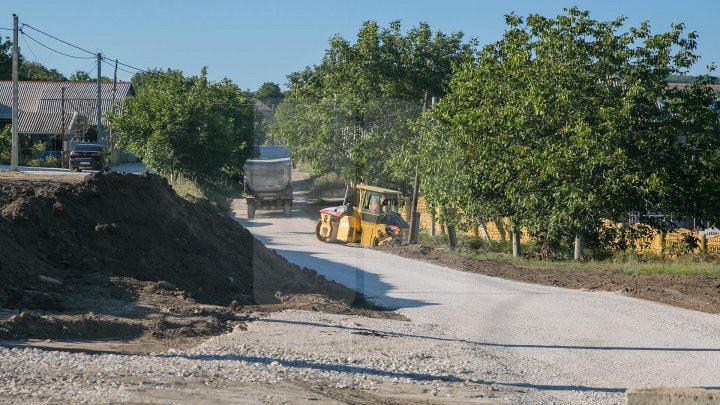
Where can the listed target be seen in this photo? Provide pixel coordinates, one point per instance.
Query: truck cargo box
(268, 175)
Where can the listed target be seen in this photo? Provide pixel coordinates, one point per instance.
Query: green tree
(269, 92)
(81, 76)
(350, 113)
(186, 125)
(5, 59)
(566, 121)
(26, 70)
(5, 144)
(37, 71)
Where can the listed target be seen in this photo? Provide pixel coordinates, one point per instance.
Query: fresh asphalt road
(556, 339)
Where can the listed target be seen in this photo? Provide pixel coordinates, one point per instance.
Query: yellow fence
(658, 242)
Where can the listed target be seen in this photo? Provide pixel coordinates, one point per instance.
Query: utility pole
(414, 217)
(15, 119)
(62, 129)
(100, 135)
(111, 146)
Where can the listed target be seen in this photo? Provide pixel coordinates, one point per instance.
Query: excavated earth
(122, 257)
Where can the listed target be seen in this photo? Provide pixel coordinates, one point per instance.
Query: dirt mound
(56, 237)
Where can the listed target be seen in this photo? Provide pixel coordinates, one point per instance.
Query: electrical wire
(55, 50)
(111, 65)
(86, 66)
(138, 70)
(131, 67)
(57, 39)
(31, 50)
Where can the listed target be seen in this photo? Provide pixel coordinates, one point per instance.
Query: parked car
(89, 156)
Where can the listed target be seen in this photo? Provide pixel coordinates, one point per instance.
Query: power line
(57, 39)
(131, 67)
(112, 65)
(54, 50)
(31, 50)
(77, 47)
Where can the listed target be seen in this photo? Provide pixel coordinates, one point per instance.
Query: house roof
(39, 103)
(260, 106)
(714, 87)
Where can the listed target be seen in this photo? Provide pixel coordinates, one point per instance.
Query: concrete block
(672, 396)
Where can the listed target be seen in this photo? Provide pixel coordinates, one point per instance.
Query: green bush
(35, 163)
(52, 161)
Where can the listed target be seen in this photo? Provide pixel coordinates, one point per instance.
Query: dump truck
(369, 217)
(268, 180)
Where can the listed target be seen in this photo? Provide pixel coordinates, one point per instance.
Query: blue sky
(252, 42)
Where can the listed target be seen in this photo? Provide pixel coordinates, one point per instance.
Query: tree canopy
(186, 125)
(269, 92)
(567, 121)
(38, 72)
(351, 112)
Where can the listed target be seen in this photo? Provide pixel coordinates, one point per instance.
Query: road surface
(554, 340)
(121, 168)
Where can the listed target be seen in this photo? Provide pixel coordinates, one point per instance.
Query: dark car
(88, 156)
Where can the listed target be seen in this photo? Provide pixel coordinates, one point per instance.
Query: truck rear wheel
(287, 208)
(251, 210)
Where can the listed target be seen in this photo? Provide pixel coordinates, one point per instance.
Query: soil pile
(57, 238)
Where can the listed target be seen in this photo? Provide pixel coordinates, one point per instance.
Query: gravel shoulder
(330, 359)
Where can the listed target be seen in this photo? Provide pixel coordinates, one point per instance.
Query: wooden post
(703, 244)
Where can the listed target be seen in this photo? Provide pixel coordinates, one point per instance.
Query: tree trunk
(579, 246)
(500, 225)
(516, 250)
(432, 222)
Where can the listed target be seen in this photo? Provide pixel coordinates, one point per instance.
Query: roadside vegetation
(186, 126)
(218, 193)
(563, 124)
(350, 114)
(629, 263)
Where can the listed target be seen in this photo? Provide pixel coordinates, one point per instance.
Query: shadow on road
(502, 345)
(354, 369)
(368, 284)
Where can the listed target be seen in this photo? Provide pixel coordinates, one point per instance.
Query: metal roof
(40, 103)
(377, 189)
